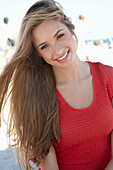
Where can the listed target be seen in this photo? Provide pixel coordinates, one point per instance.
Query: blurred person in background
(7, 38)
(82, 30)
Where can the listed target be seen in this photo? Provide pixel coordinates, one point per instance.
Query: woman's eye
(59, 36)
(43, 47)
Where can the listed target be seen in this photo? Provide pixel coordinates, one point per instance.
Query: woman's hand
(110, 165)
(50, 162)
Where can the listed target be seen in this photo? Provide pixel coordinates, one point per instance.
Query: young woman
(61, 114)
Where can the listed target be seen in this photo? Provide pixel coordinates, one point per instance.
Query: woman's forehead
(49, 24)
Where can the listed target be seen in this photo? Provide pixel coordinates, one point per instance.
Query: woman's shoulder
(101, 69)
(100, 65)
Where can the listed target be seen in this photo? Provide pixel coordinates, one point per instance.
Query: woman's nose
(57, 48)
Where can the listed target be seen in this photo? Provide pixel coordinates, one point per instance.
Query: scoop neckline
(94, 93)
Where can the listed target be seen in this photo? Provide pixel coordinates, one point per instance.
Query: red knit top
(85, 133)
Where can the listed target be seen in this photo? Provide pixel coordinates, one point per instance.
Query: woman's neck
(73, 73)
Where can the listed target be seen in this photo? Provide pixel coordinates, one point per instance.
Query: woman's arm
(50, 162)
(110, 165)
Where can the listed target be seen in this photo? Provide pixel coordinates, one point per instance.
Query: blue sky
(98, 13)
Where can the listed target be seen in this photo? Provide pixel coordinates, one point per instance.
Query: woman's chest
(78, 95)
(79, 126)
(87, 123)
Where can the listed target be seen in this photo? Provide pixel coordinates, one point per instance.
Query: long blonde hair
(29, 83)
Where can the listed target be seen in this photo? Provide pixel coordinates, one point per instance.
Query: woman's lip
(63, 58)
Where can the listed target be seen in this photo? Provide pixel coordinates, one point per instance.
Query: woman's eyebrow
(53, 36)
(57, 32)
(41, 44)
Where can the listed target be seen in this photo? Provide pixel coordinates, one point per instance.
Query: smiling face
(55, 43)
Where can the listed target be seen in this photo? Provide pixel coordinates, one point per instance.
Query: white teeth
(62, 57)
